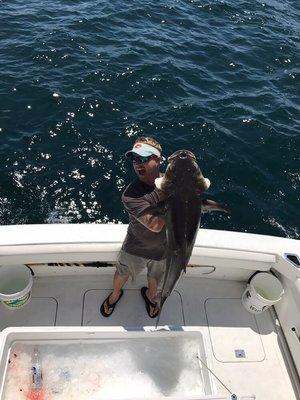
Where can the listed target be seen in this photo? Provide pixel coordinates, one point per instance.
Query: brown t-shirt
(140, 241)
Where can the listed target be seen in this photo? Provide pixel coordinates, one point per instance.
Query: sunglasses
(140, 159)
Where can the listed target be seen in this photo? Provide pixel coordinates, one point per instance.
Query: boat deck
(243, 350)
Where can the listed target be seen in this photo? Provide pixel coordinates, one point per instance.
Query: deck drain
(240, 353)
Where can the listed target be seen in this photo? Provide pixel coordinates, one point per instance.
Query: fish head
(182, 155)
(184, 172)
(182, 163)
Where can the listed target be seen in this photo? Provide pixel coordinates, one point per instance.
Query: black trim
(293, 258)
(31, 270)
(257, 272)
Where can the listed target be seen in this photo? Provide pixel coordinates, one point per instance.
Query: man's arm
(136, 207)
(155, 224)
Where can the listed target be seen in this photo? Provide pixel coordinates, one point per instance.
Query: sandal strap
(151, 304)
(109, 306)
(148, 300)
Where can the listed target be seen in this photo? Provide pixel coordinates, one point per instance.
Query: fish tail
(158, 318)
(161, 303)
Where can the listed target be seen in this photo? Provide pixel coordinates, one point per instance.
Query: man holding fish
(145, 242)
(165, 213)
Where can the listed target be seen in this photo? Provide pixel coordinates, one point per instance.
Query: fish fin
(203, 184)
(210, 205)
(206, 183)
(158, 318)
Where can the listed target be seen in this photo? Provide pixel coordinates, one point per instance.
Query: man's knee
(156, 271)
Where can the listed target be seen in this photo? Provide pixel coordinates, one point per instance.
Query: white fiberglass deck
(243, 350)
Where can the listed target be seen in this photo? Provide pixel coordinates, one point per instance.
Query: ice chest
(107, 363)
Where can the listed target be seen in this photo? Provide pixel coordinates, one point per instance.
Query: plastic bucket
(263, 291)
(15, 285)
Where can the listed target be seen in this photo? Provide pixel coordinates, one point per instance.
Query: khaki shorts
(130, 265)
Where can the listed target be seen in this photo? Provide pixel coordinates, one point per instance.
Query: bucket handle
(31, 270)
(257, 272)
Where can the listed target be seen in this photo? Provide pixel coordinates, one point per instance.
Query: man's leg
(151, 294)
(156, 271)
(118, 283)
(152, 288)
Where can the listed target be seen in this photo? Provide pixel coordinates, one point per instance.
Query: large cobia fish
(183, 184)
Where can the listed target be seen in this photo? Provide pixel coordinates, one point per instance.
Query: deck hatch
(40, 311)
(131, 310)
(234, 332)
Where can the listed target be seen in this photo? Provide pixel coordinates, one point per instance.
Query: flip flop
(148, 303)
(109, 306)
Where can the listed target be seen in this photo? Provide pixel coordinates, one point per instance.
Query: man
(144, 245)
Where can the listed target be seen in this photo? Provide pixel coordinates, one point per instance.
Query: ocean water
(79, 81)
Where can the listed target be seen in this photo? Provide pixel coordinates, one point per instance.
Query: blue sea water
(79, 81)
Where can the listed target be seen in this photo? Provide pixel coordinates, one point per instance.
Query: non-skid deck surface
(130, 311)
(40, 311)
(242, 349)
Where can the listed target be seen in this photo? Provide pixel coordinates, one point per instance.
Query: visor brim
(140, 152)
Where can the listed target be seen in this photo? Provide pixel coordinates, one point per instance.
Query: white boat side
(38, 243)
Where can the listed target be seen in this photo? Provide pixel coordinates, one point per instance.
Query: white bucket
(15, 285)
(263, 291)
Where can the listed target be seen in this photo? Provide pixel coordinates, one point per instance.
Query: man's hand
(158, 182)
